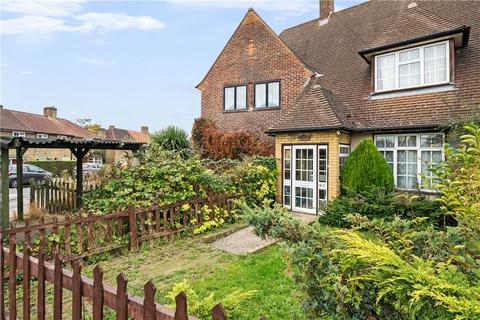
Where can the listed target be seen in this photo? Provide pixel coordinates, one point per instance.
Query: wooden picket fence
(84, 234)
(57, 195)
(97, 293)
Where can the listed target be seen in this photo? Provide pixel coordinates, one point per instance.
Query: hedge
(56, 167)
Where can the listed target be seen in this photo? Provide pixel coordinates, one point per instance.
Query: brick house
(397, 72)
(41, 126)
(124, 135)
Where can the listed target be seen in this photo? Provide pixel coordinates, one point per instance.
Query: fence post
(77, 291)
(97, 293)
(41, 284)
(57, 287)
(132, 225)
(2, 284)
(181, 306)
(218, 313)
(149, 309)
(122, 298)
(26, 281)
(32, 190)
(12, 278)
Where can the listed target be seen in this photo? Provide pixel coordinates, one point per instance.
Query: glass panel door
(304, 178)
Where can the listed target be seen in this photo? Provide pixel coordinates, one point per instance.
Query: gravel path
(245, 241)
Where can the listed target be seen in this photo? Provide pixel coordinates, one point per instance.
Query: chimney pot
(50, 111)
(326, 9)
(110, 127)
(144, 130)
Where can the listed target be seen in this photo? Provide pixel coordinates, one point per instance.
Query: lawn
(209, 270)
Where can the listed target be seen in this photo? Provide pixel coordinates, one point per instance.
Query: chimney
(144, 130)
(102, 133)
(110, 127)
(326, 9)
(50, 112)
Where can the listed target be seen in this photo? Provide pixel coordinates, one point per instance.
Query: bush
(173, 139)
(212, 143)
(366, 168)
(56, 167)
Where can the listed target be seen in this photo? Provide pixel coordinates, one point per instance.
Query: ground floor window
(344, 153)
(411, 158)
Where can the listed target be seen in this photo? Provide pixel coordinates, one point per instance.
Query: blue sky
(123, 63)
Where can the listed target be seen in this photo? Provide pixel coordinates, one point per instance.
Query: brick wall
(253, 54)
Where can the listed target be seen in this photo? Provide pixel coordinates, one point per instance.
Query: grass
(211, 271)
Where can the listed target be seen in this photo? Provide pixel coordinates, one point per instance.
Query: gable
(253, 49)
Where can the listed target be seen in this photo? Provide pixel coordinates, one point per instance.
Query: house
(124, 135)
(397, 72)
(47, 126)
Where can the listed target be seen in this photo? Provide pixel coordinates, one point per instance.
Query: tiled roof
(125, 135)
(35, 123)
(333, 49)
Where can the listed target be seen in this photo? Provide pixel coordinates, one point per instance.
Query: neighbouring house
(397, 72)
(124, 135)
(47, 126)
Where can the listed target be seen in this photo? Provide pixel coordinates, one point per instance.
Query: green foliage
(214, 217)
(366, 168)
(202, 306)
(173, 139)
(395, 268)
(256, 178)
(158, 176)
(56, 167)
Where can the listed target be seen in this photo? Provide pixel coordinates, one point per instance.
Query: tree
(89, 125)
(365, 169)
(173, 139)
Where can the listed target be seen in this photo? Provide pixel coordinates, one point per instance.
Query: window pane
(409, 55)
(409, 75)
(241, 97)
(273, 94)
(229, 98)
(435, 64)
(386, 72)
(407, 169)
(380, 142)
(260, 95)
(407, 141)
(431, 140)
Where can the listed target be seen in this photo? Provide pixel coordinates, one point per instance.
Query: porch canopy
(78, 147)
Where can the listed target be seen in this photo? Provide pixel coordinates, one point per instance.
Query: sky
(123, 63)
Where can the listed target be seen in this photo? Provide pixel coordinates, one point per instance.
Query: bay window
(411, 157)
(235, 98)
(415, 67)
(267, 95)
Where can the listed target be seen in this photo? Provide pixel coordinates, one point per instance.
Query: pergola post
(5, 185)
(79, 153)
(20, 152)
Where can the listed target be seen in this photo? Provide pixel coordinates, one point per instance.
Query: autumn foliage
(210, 142)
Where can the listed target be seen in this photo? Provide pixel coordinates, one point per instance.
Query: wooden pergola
(78, 147)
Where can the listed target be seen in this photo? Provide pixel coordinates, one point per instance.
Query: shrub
(366, 168)
(173, 139)
(56, 167)
(216, 144)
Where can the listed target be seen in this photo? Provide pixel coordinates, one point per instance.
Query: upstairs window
(18, 134)
(267, 95)
(420, 66)
(42, 135)
(235, 98)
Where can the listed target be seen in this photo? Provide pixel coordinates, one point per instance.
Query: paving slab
(245, 241)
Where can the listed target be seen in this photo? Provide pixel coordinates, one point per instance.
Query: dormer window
(415, 67)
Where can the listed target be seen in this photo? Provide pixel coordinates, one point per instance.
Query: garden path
(245, 241)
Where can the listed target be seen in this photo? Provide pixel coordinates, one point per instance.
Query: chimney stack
(110, 127)
(144, 130)
(50, 111)
(326, 9)
(102, 133)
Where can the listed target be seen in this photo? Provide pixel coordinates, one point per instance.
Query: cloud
(35, 17)
(96, 62)
(104, 22)
(49, 8)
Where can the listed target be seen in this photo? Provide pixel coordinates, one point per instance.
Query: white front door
(304, 178)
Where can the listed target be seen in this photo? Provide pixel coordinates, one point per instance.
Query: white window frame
(422, 67)
(42, 136)
(417, 148)
(342, 155)
(287, 182)
(18, 134)
(62, 137)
